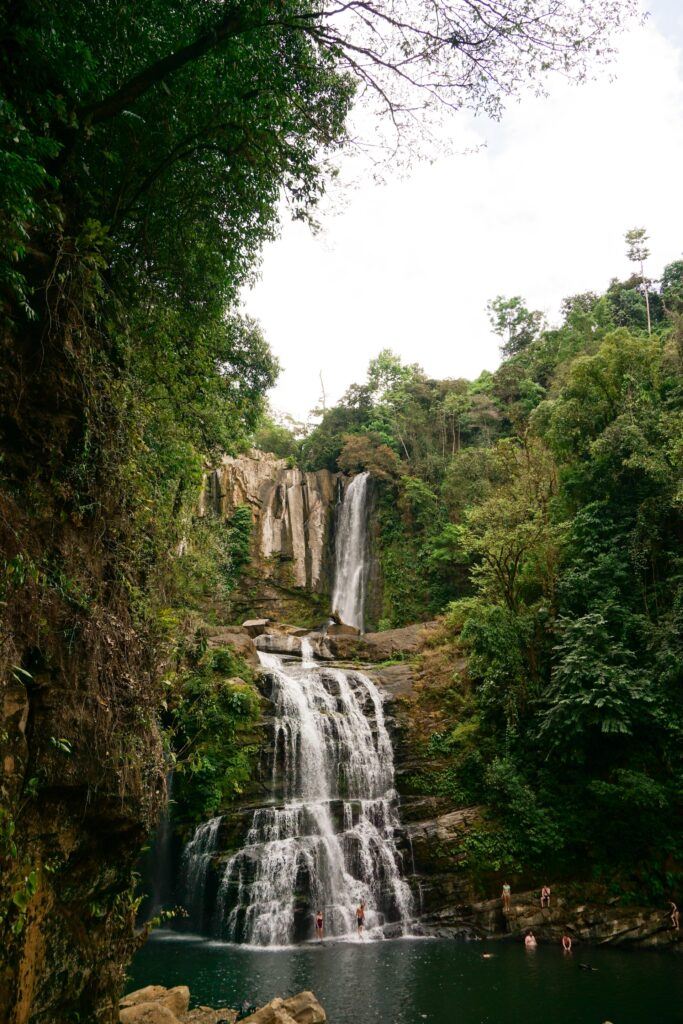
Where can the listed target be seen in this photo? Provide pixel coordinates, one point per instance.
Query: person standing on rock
(506, 897)
(545, 896)
(319, 925)
(675, 916)
(360, 917)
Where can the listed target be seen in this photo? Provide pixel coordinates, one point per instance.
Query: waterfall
(350, 557)
(332, 843)
(194, 868)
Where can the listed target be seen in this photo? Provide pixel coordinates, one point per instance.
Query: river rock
(147, 1013)
(303, 1008)
(277, 643)
(177, 1000)
(206, 1015)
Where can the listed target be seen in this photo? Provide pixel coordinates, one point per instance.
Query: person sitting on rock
(530, 940)
(506, 897)
(567, 942)
(545, 896)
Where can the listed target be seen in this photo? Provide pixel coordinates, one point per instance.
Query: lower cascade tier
(331, 847)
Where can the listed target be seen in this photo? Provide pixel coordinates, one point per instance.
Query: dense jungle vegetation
(539, 509)
(146, 154)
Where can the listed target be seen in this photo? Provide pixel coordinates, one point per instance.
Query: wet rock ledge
(155, 1004)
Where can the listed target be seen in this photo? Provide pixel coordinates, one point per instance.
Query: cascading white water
(350, 563)
(332, 843)
(194, 868)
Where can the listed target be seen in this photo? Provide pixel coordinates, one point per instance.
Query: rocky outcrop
(348, 645)
(155, 1004)
(372, 647)
(583, 911)
(292, 513)
(237, 637)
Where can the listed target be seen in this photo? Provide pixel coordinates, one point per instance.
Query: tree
(367, 452)
(510, 536)
(514, 323)
(637, 252)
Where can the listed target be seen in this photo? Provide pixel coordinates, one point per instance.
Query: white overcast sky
(540, 212)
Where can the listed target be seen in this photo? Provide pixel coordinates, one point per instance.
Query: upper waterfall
(351, 554)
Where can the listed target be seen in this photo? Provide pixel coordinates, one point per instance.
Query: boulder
(256, 627)
(407, 640)
(383, 646)
(175, 1000)
(147, 1013)
(274, 643)
(396, 680)
(303, 1008)
(238, 639)
(287, 630)
(341, 629)
(148, 994)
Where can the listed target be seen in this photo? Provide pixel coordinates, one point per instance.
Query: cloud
(541, 212)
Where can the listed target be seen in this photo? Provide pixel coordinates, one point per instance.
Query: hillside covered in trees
(538, 509)
(146, 155)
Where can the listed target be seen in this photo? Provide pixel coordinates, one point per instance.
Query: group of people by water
(506, 894)
(530, 938)
(360, 921)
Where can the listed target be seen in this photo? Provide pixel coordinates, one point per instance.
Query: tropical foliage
(539, 508)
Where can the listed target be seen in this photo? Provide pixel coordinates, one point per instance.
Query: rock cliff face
(294, 513)
(292, 543)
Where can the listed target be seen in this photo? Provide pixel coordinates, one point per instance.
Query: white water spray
(332, 844)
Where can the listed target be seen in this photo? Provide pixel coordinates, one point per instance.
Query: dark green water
(411, 981)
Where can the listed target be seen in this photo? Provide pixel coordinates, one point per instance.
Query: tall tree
(514, 323)
(637, 252)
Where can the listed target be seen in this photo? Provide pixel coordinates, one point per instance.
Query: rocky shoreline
(155, 1004)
